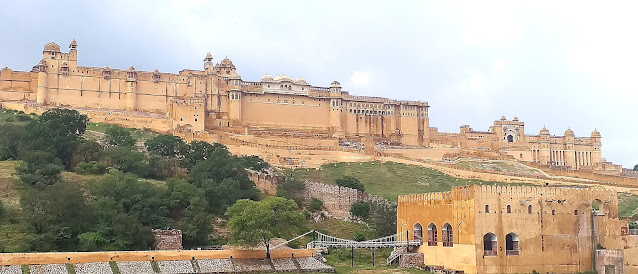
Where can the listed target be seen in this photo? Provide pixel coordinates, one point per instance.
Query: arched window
(487, 209)
(529, 209)
(432, 239)
(509, 209)
(446, 234)
(490, 244)
(553, 211)
(418, 232)
(575, 211)
(511, 244)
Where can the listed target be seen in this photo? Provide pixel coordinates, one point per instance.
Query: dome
(595, 133)
(107, 68)
(301, 81)
(156, 71)
(544, 131)
(227, 63)
(515, 119)
(208, 57)
(569, 132)
(335, 84)
(131, 68)
(280, 78)
(52, 47)
(266, 78)
(73, 44)
(503, 118)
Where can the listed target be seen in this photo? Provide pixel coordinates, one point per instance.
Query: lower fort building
(519, 229)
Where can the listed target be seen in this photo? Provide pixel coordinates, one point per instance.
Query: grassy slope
(627, 204)
(387, 179)
(137, 134)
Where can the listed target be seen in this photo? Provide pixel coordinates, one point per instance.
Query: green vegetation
(627, 205)
(258, 222)
(341, 260)
(351, 182)
(135, 133)
(388, 179)
(113, 199)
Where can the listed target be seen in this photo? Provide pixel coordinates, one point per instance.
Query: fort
(329, 124)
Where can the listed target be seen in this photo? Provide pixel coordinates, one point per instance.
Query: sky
(558, 64)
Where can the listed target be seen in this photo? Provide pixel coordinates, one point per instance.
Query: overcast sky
(555, 63)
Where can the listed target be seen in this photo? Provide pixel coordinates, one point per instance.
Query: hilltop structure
(510, 229)
(282, 110)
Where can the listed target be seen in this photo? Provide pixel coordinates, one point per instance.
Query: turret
(41, 95)
(335, 86)
(208, 63)
(131, 92)
(73, 51)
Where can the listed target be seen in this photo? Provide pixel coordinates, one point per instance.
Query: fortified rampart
(337, 200)
(167, 239)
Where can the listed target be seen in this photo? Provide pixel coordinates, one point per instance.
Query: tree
(351, 182)
(126, 159)
(291, 188)
(315, 205)
(118, 136)
(169, 146)
(253, 162)
(10, 136)
(253, 222)
(636, 168)
(39, 168)
(360, 209)
(57, 132)
(383, 217)
(86, 151)
(196, 224)
(198, 151)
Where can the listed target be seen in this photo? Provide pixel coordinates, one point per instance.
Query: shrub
(315, 205)
(359, 237)
(90, 168)
(351, 182)
(360, 209)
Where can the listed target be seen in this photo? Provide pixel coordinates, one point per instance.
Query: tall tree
(166, 146)
(254, 222)
(351, 182)
(118, 136)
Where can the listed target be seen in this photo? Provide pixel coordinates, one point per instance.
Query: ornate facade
(508, 137)
(216, 98)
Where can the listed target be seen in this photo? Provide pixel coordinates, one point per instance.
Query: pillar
(41, 95)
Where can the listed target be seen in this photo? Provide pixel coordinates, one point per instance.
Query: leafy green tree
(198, 151)
(351, 182)
(57, 213)
(86, 151)
(196, 224)
(57, 131)
(180, 194)
(39, 168)
(91, 241)
(90, 168)
(10, 136)
(315, 205)
(291, 188)
(360, 209)
(118, 136)
(253, 162)
(126, 159)
(130, 234)
(138, 199)
(636, 168)
(383, 217)
(253, 222)
(169, 146)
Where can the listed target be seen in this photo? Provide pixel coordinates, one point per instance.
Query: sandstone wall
(167, 239)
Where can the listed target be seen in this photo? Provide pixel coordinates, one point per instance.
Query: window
(432, 237)
(509, 209)
(487, 209)
(553, 211)
(529, 209)
(418, 232)
(511, 244)
(446, 234)
(575, 211)
(490, 245)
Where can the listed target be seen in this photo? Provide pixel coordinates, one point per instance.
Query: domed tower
(596, 153)
(41, 94)
(544, 152)
(208, 63)
(568, 155)
(131, 88)
(336, 110)
(73, 51)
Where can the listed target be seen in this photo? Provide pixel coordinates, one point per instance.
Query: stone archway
(510, 138)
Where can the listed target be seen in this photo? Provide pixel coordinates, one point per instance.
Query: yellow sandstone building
(216, 100)
(512, 229)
